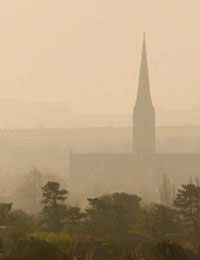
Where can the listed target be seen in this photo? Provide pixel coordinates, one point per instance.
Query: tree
(74, 219)
(112, 217)
(162, 223)
(22, 221)
(170, 251)
(5, 209)
(188, 205)
(54, 208)
(34, 249)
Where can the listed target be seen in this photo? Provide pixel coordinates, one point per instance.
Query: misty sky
(87, 52)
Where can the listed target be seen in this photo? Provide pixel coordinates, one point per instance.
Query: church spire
(144, 94)
(144, 139)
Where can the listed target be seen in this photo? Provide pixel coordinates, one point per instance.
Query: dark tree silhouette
(54, 210)
(113, 216)
(5, 209)
(53, 194)
(188, 204)
(33, 249)
(170, 251)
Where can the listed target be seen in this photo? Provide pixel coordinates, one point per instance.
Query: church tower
(144, 132)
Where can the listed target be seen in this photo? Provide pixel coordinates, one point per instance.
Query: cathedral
(138, 171)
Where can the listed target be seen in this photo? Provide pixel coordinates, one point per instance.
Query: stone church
(141, 170)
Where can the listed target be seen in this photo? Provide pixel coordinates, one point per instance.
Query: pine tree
(188, 204)
(54, 208)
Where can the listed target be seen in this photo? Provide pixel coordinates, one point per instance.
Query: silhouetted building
(139, 170)
(144, 137)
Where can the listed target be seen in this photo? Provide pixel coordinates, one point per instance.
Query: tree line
(112, 226)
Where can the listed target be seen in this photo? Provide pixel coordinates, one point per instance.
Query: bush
(35, 249)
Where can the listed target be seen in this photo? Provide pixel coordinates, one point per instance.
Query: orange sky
(87, 52)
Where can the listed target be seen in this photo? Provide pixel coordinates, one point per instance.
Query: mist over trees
(111, 226)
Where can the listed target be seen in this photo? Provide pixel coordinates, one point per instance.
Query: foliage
(22, 221)
(170, 251)
(188, 205)
(54, 210)
(113, 226)
(34, 249)
(55, 238)
(112, 216)
(74, 220)
(162, 223)
(52, 194)
(5, 209)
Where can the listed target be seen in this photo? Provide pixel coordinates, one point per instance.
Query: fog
(86, 53)
(68, 84)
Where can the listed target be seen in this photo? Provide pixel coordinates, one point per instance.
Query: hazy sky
(87, 52)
